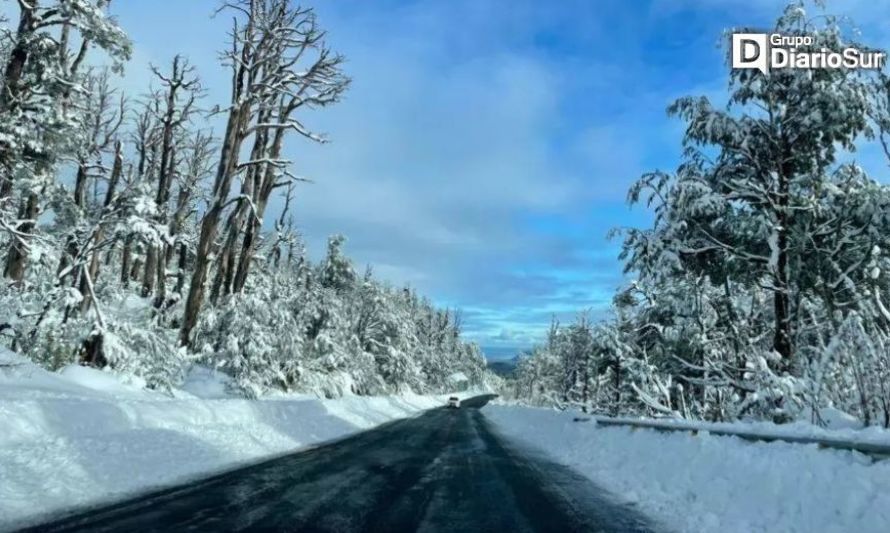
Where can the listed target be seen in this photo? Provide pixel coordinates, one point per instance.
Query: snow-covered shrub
(256, 341)
(852, 373)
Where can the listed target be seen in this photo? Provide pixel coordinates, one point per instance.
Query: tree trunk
(781, 296)
(199, 275)
(247, 251)
(93, 351)
(126, 257)
(93, 268)
(210, 223)
(135, 269)
(80, 185)
(11, 89)
(222, 283)
(262, 191)
(150, 275)
(181, 268)
(161, 270)
(17, 256)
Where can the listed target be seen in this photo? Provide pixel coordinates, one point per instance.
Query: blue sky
(485, 148)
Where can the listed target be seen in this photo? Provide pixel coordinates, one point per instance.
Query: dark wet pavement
(446, 470)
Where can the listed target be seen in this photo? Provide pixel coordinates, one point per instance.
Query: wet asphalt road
(443, 471)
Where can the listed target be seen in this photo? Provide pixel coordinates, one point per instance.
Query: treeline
(132, 238)
(761, 289)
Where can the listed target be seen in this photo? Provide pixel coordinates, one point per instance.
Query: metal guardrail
(874, 450)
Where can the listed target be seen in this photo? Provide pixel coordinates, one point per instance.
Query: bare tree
(103, 112)
(145, 142)
(271, 39)
(198, 166)
(181, 91)
(322, 84)
(92, 273)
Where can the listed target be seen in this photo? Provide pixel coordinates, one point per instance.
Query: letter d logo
(749, 51)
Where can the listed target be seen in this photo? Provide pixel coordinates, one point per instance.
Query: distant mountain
(503, 367)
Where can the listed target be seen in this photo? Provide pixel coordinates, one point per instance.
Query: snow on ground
(839, 426)
(82, 436)
(710, 483)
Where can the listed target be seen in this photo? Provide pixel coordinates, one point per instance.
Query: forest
(136, 238)
(760, 291)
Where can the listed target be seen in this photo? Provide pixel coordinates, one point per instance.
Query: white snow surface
(82, 436)
(711, 483)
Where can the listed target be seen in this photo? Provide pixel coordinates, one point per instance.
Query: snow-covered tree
(108, 210)
(42, 77)
(760, 289)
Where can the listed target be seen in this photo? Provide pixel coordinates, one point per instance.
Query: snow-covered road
(709, 483)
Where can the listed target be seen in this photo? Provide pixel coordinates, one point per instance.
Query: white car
(454, 402)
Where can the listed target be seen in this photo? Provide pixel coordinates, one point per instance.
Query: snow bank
(709, 483)
(83, 436)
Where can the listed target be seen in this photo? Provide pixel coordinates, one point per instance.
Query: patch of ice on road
(712, 483)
